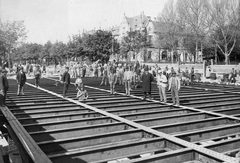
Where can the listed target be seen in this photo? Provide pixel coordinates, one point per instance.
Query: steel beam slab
(166, 136)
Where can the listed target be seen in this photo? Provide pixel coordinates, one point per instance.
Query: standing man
(105, 76)
(192, 75)
(174, 86)
(147, 79)
(37, 75)
(127, 81)
(162, 84)
(66, 81)
(6, 86)
(112, 81)
(21, 80)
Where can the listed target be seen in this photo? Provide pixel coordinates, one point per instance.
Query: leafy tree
(11, 35)
(75, 46)
(133, 41)
(99, 45)
(169, 29)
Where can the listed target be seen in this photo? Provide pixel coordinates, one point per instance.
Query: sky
(56, 20)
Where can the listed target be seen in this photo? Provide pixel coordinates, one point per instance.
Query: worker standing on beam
(174, 86)
(21, 80)
(112, 80)
(162, 84)
(37, 75)
(66, 81)
(147, 80)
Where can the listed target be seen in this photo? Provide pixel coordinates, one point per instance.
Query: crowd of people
(132, 76)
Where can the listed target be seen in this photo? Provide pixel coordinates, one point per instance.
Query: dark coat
(147, 80)
(21, 78)
(66, 78)
(2, 83)
(6, 86)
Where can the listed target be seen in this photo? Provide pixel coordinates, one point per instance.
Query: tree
(11, 35)
(99, 45)
(168, 28)
(133, 41)
(196, 19)
(75, 46)
(225, 16)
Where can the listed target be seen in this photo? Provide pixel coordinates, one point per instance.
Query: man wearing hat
(37, 75)
(146, 79)
(21, 80)
(162, 84)
(174, 86)
(66, 81)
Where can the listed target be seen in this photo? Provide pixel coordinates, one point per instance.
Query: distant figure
(112, 81)
(66, 81)
(147, 79)
(208, 72)
(233, 76)
(21, 80)
(105, 76)
(192, 75)
(127, 76)
(174, 86)
(37, 75)
(44, 69)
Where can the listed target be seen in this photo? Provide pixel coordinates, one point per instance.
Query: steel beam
(166, 136)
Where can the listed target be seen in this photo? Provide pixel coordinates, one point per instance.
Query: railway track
(109, 129)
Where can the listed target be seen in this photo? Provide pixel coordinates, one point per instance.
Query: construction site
(44, 127)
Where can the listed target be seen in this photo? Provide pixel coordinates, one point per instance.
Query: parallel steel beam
(157, 133)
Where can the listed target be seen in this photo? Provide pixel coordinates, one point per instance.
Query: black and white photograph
(119, 81)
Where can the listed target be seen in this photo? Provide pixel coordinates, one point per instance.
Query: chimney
(155, 19)
(149, 18)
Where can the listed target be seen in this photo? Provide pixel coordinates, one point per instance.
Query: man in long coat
(147, 79)
(66, 81)
(21, 80)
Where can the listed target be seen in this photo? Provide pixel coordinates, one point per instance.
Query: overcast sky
(57, 19)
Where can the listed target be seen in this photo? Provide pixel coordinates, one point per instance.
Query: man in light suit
(174, 86)
(162, 84)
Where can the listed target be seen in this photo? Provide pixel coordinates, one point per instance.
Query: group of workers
(131, 76)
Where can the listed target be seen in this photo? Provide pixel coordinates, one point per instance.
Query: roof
(137, 22)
